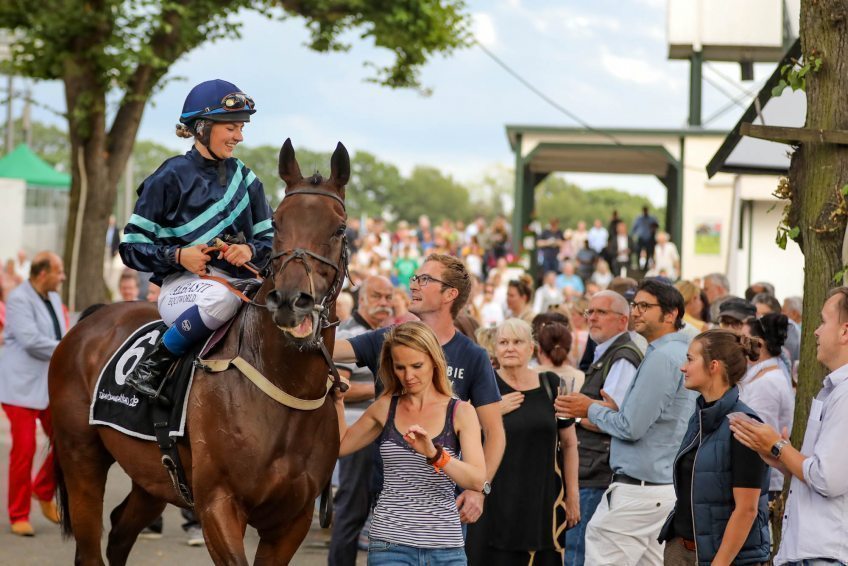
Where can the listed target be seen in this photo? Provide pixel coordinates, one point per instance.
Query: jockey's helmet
(218, 101)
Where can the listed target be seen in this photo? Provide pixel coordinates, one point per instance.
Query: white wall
(13, 197)
(705, 201)
(759, 258)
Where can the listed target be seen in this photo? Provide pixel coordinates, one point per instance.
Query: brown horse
(249, 459)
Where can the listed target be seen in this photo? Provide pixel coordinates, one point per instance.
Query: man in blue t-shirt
(439, 291)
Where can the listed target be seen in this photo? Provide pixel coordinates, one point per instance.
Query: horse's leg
(137, 511)
(223, 522)
(85, 480)
(278, 546)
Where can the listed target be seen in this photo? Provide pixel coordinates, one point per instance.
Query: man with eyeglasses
(439, 291)
(646, 433)
(817, 506)
(613, 367)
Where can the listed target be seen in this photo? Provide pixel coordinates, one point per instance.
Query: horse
(249, 460)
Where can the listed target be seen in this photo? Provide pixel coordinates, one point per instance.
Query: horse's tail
(62, 499)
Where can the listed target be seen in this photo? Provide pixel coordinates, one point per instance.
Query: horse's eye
(341, 231)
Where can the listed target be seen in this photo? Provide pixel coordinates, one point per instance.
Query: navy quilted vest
(712, 490)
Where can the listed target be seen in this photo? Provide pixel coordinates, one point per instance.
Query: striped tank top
(417, 506)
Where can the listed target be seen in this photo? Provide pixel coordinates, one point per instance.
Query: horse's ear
(288, 167)
(340, 167)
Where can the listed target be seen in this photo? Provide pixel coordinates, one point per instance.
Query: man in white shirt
(814, 523)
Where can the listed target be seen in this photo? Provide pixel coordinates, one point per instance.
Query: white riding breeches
(181, 291)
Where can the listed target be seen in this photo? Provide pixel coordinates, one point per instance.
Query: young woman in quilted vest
(721, 514)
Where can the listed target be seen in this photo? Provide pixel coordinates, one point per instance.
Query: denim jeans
(816, 562)
(575, 537)
(382, 553)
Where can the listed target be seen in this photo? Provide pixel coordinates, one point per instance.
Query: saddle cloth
(121, 407)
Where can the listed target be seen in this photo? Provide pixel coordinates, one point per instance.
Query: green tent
(24, 164)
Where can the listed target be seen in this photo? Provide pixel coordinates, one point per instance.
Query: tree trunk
(817, 173)
(91, 198)
(98, 159)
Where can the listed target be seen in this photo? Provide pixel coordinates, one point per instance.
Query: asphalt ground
(47, 547)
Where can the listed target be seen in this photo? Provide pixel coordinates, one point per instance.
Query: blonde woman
(529, 508)
(416, 517)
(693, 306)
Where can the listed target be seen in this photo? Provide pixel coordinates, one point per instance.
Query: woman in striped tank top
(416, 520)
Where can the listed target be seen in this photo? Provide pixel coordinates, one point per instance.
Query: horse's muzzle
(292, 311)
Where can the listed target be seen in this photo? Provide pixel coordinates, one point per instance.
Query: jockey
(188, 202)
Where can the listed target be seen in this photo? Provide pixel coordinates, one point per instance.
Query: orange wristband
(443, 460)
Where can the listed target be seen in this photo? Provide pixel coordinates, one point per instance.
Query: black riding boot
(151, 370)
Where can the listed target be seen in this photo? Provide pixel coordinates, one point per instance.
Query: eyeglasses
(588, 313)
(642, 306)
(234, 102)
(424, 280)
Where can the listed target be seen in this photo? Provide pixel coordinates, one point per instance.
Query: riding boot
(150, 371)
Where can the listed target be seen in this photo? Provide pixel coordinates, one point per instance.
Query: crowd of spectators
(602, 362)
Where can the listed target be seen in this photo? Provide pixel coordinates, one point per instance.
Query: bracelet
(440, 459)
(443, 460)
(179, 255)
(437, 455)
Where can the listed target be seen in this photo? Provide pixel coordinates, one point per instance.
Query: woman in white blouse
(765, 387)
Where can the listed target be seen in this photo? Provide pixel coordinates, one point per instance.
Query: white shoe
(195, 537)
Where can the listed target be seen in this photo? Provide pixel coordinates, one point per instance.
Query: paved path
(48, 548)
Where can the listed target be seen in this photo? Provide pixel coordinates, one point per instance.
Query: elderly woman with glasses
(530, 505)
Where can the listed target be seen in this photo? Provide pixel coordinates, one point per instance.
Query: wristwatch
(778, 447)
(487, 488)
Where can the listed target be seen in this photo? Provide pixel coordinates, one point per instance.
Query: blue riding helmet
(218, 101)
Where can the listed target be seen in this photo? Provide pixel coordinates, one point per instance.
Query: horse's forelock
(316, 179)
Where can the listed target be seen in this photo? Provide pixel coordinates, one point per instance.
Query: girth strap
(264, 384)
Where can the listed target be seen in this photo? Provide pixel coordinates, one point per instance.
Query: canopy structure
(23, 163)
(541, 150)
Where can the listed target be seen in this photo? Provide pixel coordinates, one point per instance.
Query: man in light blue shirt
(814, 522)
(646, 434)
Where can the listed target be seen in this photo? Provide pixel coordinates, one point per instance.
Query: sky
(604, 60)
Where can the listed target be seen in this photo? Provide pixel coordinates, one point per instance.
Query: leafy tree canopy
(558, 198)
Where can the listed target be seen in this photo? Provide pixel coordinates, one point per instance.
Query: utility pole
(10, 124)
(27, 115)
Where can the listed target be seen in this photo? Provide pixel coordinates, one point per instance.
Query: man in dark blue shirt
(439, 291)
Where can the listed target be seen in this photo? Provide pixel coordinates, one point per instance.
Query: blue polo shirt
(469, 369)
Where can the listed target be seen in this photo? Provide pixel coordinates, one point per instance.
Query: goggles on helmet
(233, 102)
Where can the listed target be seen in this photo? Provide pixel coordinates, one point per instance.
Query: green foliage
(786, 233)
(558, 198)
(428, 191)
(120, 38)
(794, 74)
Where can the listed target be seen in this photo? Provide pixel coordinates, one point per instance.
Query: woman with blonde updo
(721, 514)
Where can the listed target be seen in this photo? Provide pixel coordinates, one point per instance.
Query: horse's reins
(320, 319)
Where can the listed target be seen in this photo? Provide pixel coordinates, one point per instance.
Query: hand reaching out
(420, 441)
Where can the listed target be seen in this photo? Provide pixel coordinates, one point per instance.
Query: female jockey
(188, 202)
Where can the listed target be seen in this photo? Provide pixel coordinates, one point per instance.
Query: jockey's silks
(184, 204)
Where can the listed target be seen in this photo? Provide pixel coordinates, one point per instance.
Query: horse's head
(309, 260)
